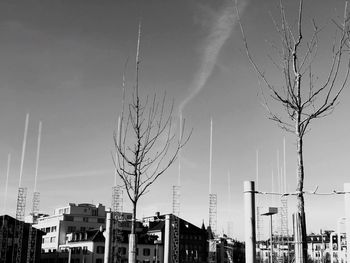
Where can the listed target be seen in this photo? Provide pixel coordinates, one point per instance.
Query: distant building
(87, 247)
(229, 250)
(337, 247)
(318, 246)
(9, 241)
(69, 219)
(283, 249)
(192, 245)
(76, 233)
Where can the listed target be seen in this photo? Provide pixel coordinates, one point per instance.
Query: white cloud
(220, 31)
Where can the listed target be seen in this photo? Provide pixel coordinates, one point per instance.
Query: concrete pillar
(132, 248)
(167, 239)
(297, 238)
(107, 236)
(347, 216)
(249, 224)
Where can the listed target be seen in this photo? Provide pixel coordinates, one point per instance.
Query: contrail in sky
(220, 31)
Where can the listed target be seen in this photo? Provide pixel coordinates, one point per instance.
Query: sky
(63, 63)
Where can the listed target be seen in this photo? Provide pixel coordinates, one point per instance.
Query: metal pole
(249, 218)
(271, 245)
(107, 237)
(167, 239)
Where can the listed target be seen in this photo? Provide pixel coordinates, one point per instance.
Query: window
(53, 239)
(100, 249)
(42, 241)
(83, 229)
(68, 218)
(146, 252)
(47, 230)
(54, 229)
(85, 250)
(101, 220)
(99, 260)
(85, 219)
(71, 229)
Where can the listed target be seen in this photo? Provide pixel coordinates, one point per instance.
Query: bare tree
(146, 145)
(302, 95)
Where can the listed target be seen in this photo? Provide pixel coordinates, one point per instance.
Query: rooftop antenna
(272, 186)
(7, 181)
(37, 156)
(278, 171)
(283, 241)
(259, 218)
(210, 153)
(212, 201)
(176, 188)
(36, 194)
(229, 209)
(176, 205)
(31, 253)
(117, 191)
(21, 199)
(284, 165)
(23, 149)
(284, 199)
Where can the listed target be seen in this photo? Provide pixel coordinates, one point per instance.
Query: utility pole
(249, 219)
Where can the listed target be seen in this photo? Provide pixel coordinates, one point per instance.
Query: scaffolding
(176, 200)
(282, 239)
(259, 232)
(212, 212)
(19, 223)
(259, 224)
(31, 253)
(175, 233)
(117, 199)
(117, 209)
(212, 224)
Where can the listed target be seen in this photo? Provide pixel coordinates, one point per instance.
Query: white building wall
(69, 219)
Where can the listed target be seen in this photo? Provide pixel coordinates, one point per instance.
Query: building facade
(69, 219)
(29, 241)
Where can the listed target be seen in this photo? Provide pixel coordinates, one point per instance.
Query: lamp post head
(269, 211)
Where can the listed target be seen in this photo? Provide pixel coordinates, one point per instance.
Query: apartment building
(69, 219)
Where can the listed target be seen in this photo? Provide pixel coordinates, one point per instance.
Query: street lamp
(270, 211)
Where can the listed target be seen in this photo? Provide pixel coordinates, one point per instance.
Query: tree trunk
(300, 195)
(132, 236)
